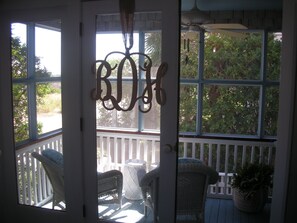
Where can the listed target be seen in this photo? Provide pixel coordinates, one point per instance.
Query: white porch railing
(223, 155)
(114, 148)
(34, 187)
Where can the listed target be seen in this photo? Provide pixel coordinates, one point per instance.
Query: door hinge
(81, 124)
(84, 211)
(80, 28)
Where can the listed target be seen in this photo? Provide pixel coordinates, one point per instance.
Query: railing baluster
(218, 163)
(226, 168)
(253, 154)
(201, 145)
(154, 151)
(145, 153)
(193, 150)
(123, 154)
(130, 148)
(23, 179)
(138, 149)
(261, 158)
(210, 155)
(101, 154)
(34, 178)
(243, 155)
(108, 152)
(185, 149)
(115, 148)
(19, 176)
(44, 186)
(40, 198)
(235, 157)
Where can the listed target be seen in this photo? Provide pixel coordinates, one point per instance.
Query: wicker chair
(192, 183)
(108, 183)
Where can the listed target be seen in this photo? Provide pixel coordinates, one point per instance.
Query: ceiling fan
(196, 20)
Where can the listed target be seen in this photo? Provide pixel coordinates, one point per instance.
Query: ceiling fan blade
(224, 26)
(191, 35)
(195, 16)
(228, 32)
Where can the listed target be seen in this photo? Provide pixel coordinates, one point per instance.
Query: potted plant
(250, 184)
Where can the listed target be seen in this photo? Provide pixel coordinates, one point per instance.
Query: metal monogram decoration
(103, 70)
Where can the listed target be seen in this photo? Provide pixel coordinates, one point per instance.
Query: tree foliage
(229, 108)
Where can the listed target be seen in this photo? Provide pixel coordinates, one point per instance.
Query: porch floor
(216, 211)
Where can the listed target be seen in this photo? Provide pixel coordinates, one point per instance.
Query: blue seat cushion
(54, 156)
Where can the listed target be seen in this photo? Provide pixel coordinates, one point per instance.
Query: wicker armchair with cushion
(192, 184)
(108, 183)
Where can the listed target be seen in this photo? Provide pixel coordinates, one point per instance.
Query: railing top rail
(37, 144)
(155, 136)
(238, 142)
(134, 135)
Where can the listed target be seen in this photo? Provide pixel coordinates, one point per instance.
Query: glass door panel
(192, 168)
(128, 142)
(37, 113)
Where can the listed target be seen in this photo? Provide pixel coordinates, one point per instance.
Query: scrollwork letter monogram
(104, 71)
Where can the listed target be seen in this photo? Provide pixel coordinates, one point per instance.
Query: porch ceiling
(219, 5)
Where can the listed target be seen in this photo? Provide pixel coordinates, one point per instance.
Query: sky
(106, 43)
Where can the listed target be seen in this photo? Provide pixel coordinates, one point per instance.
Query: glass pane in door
(128, 140)
(37, 113)
(196, 176)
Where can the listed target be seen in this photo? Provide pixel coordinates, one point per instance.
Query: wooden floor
(216, 211)
(223, 211)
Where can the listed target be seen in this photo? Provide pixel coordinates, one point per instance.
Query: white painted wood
(287, 112)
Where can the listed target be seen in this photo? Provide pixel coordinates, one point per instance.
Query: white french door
(79, 112)
(26, 192)
(101, 35)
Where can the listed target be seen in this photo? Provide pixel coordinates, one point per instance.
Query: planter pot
(253, 204)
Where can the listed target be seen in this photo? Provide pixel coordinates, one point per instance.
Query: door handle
(169, 148)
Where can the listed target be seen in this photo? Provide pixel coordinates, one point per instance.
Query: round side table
(134, 170)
